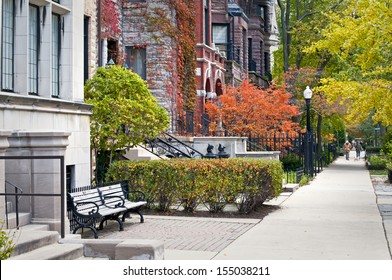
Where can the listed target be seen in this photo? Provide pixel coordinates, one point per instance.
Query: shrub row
(247, 183)
(376, 162)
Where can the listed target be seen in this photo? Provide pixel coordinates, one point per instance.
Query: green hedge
(247, 183)
(373, 150)
(377, 162)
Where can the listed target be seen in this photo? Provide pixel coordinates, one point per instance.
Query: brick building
(234, 41)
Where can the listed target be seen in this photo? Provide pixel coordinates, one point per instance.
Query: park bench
(133, 199)
(98, 205)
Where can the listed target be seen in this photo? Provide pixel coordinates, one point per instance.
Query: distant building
(234, 41)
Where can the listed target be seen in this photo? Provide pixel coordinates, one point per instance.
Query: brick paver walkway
(181, 233)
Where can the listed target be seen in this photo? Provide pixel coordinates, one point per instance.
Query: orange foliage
(247, 109)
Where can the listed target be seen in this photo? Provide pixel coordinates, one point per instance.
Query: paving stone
(181, 233)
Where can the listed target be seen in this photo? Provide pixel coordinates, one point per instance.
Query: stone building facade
(90, 41)
(42, 109)
(150, 53)
(234, 42)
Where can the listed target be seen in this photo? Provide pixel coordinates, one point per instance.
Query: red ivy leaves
(110, 19)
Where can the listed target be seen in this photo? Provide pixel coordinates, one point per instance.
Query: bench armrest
(135, 196)
(116, 205)
(93, 211)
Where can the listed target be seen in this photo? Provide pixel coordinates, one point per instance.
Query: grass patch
(378, 172)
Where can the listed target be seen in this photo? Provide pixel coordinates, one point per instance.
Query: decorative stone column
(3, 146)
(38, 175)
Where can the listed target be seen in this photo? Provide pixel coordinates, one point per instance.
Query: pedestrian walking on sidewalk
(347, 148)
(358, 149)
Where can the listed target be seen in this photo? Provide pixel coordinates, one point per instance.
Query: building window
(112, 50)
(262, 12)
(55, 55)
(220, 37)
(7, 46)
(33, 49)
(136, 60)
(86, 47)
(267, 65)
(244, 48)
(251, 62)
(206, 22)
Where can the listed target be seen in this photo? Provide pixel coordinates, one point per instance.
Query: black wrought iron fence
(287, 143)
(291, 146)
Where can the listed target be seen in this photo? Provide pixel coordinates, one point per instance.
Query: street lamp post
(309, 168)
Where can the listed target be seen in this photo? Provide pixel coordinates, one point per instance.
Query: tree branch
(318, 12)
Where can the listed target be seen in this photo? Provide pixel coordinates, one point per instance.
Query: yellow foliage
(360, 36)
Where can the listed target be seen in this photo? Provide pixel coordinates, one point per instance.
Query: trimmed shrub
(376, 162)
(215, 183)
(290, 162)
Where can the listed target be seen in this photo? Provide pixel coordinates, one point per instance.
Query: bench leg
(141, 216)
(90, 227)
(125, 215)
(114, 218)
(128, 214)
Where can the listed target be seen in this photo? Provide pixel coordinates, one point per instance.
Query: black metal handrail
(172, 146)
(17, 198)
(185, 150)
(62, 186)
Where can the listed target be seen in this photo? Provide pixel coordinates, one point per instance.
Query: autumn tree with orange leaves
(249, 110)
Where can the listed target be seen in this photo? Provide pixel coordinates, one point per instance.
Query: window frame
(56, 53)
(227, 48)
(129, 51)
(8, 53)
(33, 51)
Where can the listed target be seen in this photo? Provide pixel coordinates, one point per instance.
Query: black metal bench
(97, 205)
(133, 199)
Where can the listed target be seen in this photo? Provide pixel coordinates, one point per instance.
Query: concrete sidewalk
(335, 217)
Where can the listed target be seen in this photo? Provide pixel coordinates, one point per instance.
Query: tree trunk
(285, 21)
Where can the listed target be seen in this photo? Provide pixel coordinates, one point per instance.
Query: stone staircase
(36, 242)
(138, 153)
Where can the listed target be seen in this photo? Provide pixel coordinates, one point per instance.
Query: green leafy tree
(124, 111)
(359, 38)
(300, 23)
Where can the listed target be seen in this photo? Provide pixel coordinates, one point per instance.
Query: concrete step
(24, 219)
(27, 239)
(139, 153)
(290, 187)
(53, 252)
